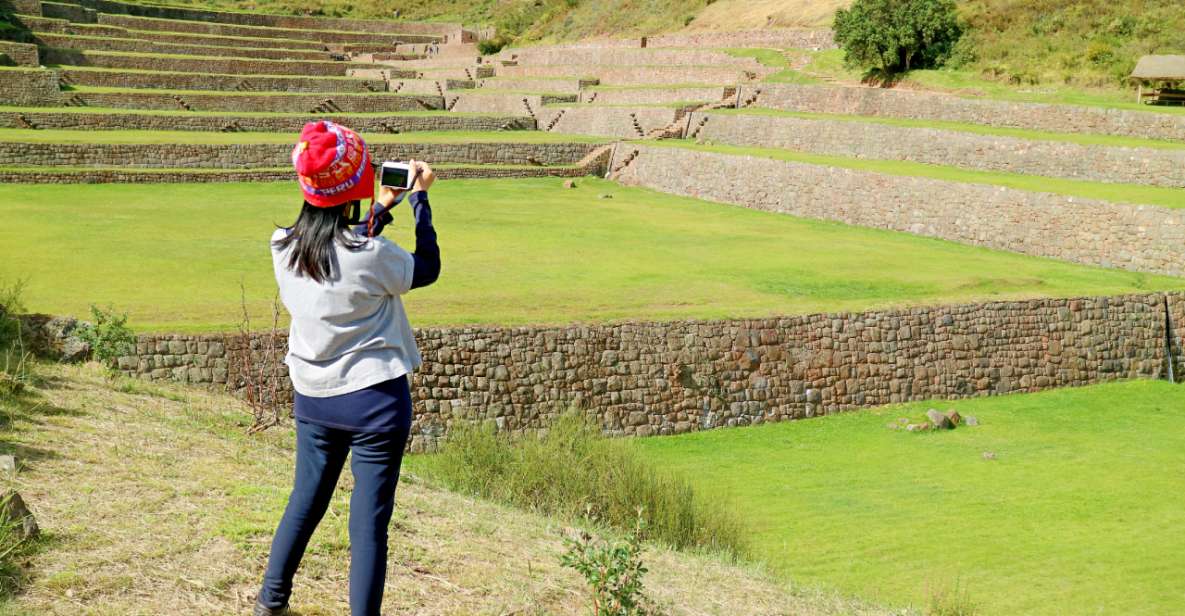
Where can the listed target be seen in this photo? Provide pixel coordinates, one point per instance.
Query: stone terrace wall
(653, 96)
(666, 378)
(29, 87)
(369, 26)
(249, 156)
(226, 83)
(614, 75)
(1133, 237)
(1154, 166)
(932, 106)
(619, 122)
(70, 12)
(634, 57)
(195, 64)
(786, 38)
(66, 41)
(283, 103)
(24, 7)
(220, 29)
(247, 123)
(20, 54)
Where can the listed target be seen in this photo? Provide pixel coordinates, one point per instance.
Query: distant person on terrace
(350, 354)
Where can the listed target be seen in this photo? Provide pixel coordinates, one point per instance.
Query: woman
(350, 354)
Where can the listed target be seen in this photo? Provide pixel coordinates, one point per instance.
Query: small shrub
(613, 570)
(895, 36)
(108, 336)
(492, 46)
(951, 601)
(572, 470)
(11, 304)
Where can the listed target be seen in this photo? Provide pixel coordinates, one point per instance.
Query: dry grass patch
(152, 496)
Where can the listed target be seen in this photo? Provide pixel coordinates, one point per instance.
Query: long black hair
(314, 233)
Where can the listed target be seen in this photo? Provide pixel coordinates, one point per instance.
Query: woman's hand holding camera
(424, 177)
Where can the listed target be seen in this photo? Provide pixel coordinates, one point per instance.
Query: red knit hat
(332, 165)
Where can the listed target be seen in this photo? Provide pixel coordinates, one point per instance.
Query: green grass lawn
(515, 252)
(1116, 193)
(199, 137)
(1080, 512)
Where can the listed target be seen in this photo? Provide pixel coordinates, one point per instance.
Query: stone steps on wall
(106, 43)
(511, 103)
(194, 64)
(120, 79)
(1156, 165)
(615, 122)
(336, 102)
(1116, 234)
(72, 118)
(222, 29)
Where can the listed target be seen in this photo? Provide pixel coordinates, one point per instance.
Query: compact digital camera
(398, 176)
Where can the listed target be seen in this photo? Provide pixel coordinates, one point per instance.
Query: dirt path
(154, 501)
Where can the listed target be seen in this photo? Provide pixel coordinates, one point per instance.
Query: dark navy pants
(320, 454)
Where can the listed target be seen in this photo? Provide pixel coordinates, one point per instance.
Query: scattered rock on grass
(953, 416)
(919, 427)
(569, 183)
(971, 420)
(14, 511)
(989, 455)
(939, 420)
(8, 465)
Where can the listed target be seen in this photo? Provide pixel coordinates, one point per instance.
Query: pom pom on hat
(332, 165)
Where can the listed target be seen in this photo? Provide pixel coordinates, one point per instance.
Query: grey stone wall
(19, 86)
(1133, 237)
(18, 54)
(251, 156)
(250, 123)
(23, 7)
(68, 41)
(279, 103)
(601, 121)
(70, 12)
(563, 86)
(657, 96)
(1153, 166)
(432, 31)
(497, 102)
(613, 75)
(934, 106)
(223, 29)
(202, 39)
(235, 66)
(225, 83)
(600, 57)
(784, 38)
(667, 378)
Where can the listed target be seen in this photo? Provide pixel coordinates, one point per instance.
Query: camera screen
(394, 177)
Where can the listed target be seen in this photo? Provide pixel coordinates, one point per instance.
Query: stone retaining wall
(619, 122)
(1133, 237)
(24, 7)
(657, 96)
(29, 87)
(19, 54)
(933, 106)
(785, 38)
(220, 29)
(223, 41)
(563, 86)
(279, 103)
(14, 175)
(494, 102)
(69, 12)
(667, 378)
(1153, 166)
(612, 75)
(248, 123)
(632, 57)
(365, 26)
(194, 64)
(249, 156)
(226, 83)
(66, 41)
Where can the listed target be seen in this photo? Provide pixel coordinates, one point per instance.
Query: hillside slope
(153, 496)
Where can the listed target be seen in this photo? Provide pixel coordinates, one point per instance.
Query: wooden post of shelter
(1164, 75)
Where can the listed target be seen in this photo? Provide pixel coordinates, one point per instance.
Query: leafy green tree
(894, 36)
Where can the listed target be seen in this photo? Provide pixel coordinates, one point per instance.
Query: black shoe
(260, 610)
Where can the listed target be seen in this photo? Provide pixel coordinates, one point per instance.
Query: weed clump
(572, 470)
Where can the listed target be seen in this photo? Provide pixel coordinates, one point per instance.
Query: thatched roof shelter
(1160, 68)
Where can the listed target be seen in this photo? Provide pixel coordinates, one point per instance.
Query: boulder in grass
(971, 420)
(953, 416)
(569, 183)
(14, 513)
(919, 427)
(939, 420)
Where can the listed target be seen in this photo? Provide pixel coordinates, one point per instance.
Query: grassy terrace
(967, 127)
(515, 252)
(1116, 193)
(100, 69)
(253, 114)
(158, 137)
(1077, 514)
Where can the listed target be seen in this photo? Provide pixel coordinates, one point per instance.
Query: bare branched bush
(253, 368)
